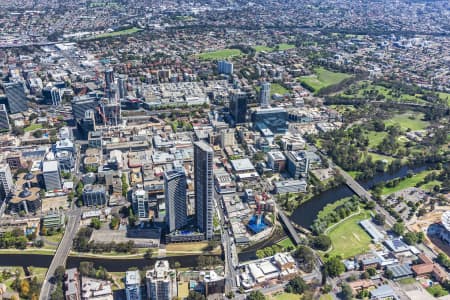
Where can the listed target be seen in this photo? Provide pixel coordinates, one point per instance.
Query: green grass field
(322, 79)
(375, 138)
(286, 243)
(117, 33)
(430, 185)
(260, 48)
(331, 207)
(437, 291)
(326, 297)
(445, 96)
(32, 127)
(360, 89)
(220, 54)
(376, 156)
(286, 296)
(406, 183)
(348, 238)
(279, 47)
(275, 88)
(354, 174)
(411, 120)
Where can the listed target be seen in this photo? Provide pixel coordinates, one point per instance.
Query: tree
(24, 287)
(59, 273)
(193, 295)
(95, 223)
(334, 267)
(321, 242)
(398, 228)
(296, 285)
(306, 258)
(347, 292)
(380, 219)
(124, 185)
(37, 133)
(256, 295)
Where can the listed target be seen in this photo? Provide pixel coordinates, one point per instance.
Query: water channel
(305, 214)
(112, 264)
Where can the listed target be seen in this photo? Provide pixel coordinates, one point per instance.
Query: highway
(62, 252)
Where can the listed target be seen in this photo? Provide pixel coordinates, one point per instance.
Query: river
(112, 265)
(305, 214)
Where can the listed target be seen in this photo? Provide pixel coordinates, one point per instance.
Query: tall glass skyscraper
(204, 187)
(175, 196)
(17, 100)
(264, 95)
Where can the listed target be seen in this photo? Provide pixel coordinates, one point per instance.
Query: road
(358, 189)
(364, 194)
(229, 248)
(62, 252)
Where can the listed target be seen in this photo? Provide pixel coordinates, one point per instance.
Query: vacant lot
(348, 238)
(220, 54)
(322, 78)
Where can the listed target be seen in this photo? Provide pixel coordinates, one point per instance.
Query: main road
(62, 252)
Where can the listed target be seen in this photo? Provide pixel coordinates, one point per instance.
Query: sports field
(322, 78)
(219, 54)
(348, 238)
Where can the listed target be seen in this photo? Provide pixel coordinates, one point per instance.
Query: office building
(110, 111)
(122, 86)
(225, 67)
(51, 174)
(238, 106)
(4, 120)
(88, 122)
(51, 95)
(109, 78)
(291, 186)
(140, 203)
(161, 282)
(133, 285)
(270, 120)
(16, 98)
(264, 95)
(95, 289)
(175, 196)
(297, 164)
(72, 284)
(204, 187)
(94, 195)
(276, 161)
(6, 181)
(82, 104)
(227, 138)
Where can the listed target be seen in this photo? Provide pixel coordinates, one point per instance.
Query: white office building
(161, 282)
(6, 180)
(133, 285)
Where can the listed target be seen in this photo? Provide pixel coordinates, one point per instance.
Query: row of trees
(323, 222)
